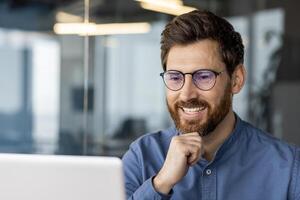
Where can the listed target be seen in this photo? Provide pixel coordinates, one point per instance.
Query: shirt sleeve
(296, 177)
(136, 187)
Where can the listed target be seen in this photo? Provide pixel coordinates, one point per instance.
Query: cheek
(172, 97)
(214, 99)
(218, 97)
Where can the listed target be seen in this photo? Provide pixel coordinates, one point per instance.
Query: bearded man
(210, 153)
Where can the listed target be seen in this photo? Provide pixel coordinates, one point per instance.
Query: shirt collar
(231, 139)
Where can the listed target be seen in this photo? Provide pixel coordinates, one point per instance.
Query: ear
(238, 79)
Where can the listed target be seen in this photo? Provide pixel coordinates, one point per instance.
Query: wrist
(161, 186)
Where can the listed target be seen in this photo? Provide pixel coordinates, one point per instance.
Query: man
(211, 153)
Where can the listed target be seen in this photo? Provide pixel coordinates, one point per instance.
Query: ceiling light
(172, 7)
(101, 29)
(67, 17)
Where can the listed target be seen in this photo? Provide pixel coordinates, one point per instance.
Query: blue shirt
(249, 165)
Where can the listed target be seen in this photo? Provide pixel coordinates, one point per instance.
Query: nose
(189, 89)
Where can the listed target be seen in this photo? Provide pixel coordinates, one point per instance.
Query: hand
(184, 151)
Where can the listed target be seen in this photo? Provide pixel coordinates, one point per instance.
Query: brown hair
(198, 25)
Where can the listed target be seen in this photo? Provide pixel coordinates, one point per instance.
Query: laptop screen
(48, 177)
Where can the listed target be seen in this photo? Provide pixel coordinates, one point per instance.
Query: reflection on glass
(30, 81)
(93, 94)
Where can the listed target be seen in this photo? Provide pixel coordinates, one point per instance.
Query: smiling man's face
(192, 109)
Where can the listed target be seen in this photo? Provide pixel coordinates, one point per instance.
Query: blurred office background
(93, 95)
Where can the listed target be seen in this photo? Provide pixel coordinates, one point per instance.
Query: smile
(193, 110)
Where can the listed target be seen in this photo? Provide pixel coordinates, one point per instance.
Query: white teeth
(196, 109)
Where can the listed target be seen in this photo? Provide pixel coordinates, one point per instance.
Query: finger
(190, 137)
(191, 134)
(191, 141)
(193, 153)
(187, 146)
(193, 162)
(178, 141)
(192, 146)
(193, 159)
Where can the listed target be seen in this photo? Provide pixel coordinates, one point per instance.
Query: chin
(190, 127)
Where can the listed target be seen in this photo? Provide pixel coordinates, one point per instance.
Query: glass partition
(93, 92)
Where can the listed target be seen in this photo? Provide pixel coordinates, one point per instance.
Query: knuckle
(200, 138)
(174, 139)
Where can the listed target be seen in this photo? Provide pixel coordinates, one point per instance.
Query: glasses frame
(192, 74)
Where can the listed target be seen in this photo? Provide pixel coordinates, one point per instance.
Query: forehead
(203, 54)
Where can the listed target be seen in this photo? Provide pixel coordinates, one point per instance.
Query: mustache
(192, 103)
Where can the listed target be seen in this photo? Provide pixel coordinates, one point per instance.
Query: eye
(203, 76)
(174, 76)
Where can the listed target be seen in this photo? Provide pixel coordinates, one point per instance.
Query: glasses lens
(204, 80)
(173, 80)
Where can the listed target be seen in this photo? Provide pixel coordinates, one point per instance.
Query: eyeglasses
(204, 79)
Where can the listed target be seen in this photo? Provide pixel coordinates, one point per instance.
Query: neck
(216, 138)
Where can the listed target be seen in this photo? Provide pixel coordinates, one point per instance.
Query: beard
(214, 116)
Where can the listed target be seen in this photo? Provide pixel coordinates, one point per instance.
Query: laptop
(52, 177)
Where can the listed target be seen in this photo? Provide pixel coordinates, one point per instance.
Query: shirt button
(208, 172)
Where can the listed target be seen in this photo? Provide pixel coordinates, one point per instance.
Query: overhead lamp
(172, 7)
(101, 29)
(65, 17)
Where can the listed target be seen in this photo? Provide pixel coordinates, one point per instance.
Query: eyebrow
(204, 69)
